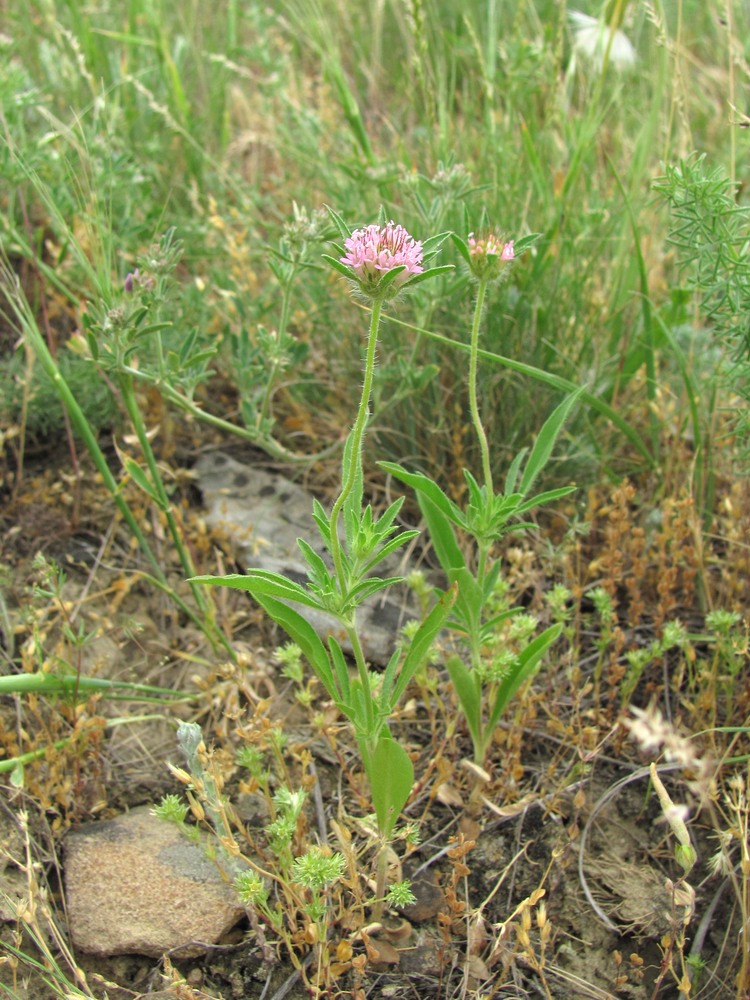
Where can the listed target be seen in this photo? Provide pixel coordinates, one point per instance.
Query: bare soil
(549, 879)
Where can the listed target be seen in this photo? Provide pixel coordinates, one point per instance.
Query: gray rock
(137, 885)
(262, 514)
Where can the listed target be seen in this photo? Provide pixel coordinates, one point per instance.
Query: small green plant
(674, 635)
(380, 260)
(116, 329)
(28, 396)
(485, 684)
(709, 234)
(290, 886)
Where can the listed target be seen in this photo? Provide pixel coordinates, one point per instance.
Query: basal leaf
(391, 775)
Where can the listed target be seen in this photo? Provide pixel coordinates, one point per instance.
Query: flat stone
(263, 514)
(137, 885)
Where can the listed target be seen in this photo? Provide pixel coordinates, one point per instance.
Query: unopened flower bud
(488, 257)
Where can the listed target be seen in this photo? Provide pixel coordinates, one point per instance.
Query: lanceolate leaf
(424, 486)
(431, 272)
(421, 643)
(304, 635)
(542, 498)
(525, 243)
(337, 265)
(469, 695)
(391, 546)
(528, 663)
(342, 227)
(341, 671)
(432, 243)
(263, 582)
(391, 774)
(443, 538)
(139, 477)
(545, 442)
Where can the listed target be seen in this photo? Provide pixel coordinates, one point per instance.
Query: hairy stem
(473, 406)
(357, 436)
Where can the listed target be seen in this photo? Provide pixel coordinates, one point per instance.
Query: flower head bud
(375, 251)
(317, 868)
(488, 256)
(251, 888)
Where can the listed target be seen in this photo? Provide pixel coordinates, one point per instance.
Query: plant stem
(261, 440)
(354, 469)
(81, 425)
(474, 408)
(381, 874)
(480, 740)
(359, 659)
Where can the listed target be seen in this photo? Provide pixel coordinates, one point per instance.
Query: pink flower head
(375, 250)
(488, 255)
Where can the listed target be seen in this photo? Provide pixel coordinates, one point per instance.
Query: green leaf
(469, 601)
(301, 631)
(421, 643)
(388, 548)
(542, 498)
(443, 538)
(515, 467)
(93, 343)
(341, 670)
(391, 775)
(197, 359)
(323, 521)
(140, 478)
(342, 227)
(353, 503)
(526, 243)
(371, 586)
(433, 243)
(545, 442)
(390, 276)
(527, 665)
(338, 266)
(491, 624)
(263, 582)
(469, 695)
(424, 486)
(431, 272)
(462, 247)
(144, 331)
(319, 573)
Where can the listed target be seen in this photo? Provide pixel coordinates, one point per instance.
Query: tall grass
(448, 116)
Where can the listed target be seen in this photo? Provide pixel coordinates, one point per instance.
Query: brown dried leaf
(380, 952)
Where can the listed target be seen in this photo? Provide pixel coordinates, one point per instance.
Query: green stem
(249, 434)
(355, 452)
(163, 502)
(11, 763)
(480, 740)
(474, 408)
(83, 428)
(359, 659)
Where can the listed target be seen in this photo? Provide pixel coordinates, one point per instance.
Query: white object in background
(591, 37)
